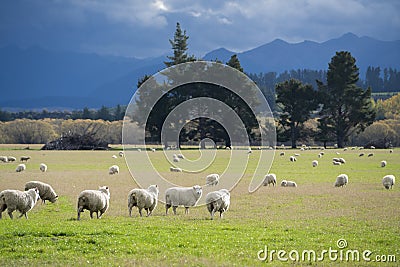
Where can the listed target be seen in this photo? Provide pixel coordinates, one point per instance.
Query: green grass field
(313, 216)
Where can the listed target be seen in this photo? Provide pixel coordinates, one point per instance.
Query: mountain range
(36, 78)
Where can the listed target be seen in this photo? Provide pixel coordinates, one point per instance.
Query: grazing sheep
(20, 168)
(388, 181)
(383, 163)
(282, 154)
(341, 180)
(181, 156)
(4, 159)
(185, 196)
(391, 151)
(336, 159)
(24, 158)
(139, 150)
(46, 192)
(143, 199)
(315, 163)
(11, 159)
(372, 147)
(23, 201)
(370, 154)
(285, 183)
(345, 149)
(43, 167)
(342, 160)
(337, 163)
(249, 150)
(218, 201)
(94, 201)
(320, 155)
(153, 150)
(292, 158)
(176, 159)
(269, 179)
(173, 169)
(121, 154)
(297, 155)
(113, 170)
(361, 155)
(114, 156)
(212, 179)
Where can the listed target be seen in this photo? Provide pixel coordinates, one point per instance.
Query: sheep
(218, 201)
(372, 147)
(185, 196)
(319, 155)
(24, 158)
(176, 159)
(23, 201)
(173, 169)
(342, 160)
(153, 150)
(20, 168)
(336, 159)
(46, 192)
(282, 154)
(337, 163)
(361, 154)
(121, 154)
(143, 199)
(11, 159)
(391, 151)
(113, 170)
(388, 181)
(94, 201)
(285, 183)
(269, 179)
(212, 179)
(292, 158)
(370, 154)
(114, 156)
(297, 155)
(4, 159)
(322, 153)
(43, 167)
(139, 150)
(341, 180)
(315, 163)
(249, 150)
(181, 156)
(383, 163)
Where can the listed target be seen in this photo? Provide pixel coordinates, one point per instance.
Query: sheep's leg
(79, 215)
(91, 214)
(212, 214)
(101, 214)
(174, 209)
(186, 210)
(2, 208)
(130, 211)
(140, 212)
(149, 212)
(167, 206)
(10, 211)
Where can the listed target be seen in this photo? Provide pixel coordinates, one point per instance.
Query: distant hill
(36, 78)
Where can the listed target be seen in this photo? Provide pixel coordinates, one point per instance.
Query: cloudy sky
(141, 28)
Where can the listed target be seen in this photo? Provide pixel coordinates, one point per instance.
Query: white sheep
(320, 155)
(139, 150)
(185, 196)
(11, 159)
(94, 201)
(25, 158)
(388, 181)
(249, 150)
(22, 201)
(285, 183)
(341, 180)
(121, 154)
(113, 170)
(173, 169)
(43, 167)
(292, 158)
(114, 156)
(269, 179)
(315, 163)
(212, 179)
(342, 160)
(336, 163)
(20, 168)
(46, 192)
(391, 151)
(282, 154)
(383, 163)
(153, 150)
(181, 156)
(143, 199)
(218, 201)
(4, 159)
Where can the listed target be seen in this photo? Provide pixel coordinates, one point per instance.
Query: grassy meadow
(313, 216)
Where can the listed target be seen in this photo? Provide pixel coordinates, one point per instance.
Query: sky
(142, 28)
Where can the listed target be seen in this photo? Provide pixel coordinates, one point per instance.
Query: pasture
(313, 216)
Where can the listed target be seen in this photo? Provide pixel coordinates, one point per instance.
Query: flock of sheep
(97, 201)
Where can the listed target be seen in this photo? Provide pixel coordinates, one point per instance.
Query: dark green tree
(179, 46)
(346, 107)
(235, 63)
(297, 101)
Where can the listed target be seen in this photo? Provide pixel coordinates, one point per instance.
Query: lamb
(269, 179)
(383, 163)
(315, 163)
(173, 169)
(113, 170)
(292, 158)
(20, 168)
(46, 192)
(143, 199)
(388, 181)
(218, 201)
(341, 180)
(11, 159)
(285, 183)
(23, 201)
(43, 167)
(94, 201)
(25, 158)
(185, 196)
(212, 179)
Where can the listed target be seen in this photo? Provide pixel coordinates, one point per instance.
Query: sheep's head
(198, 190)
